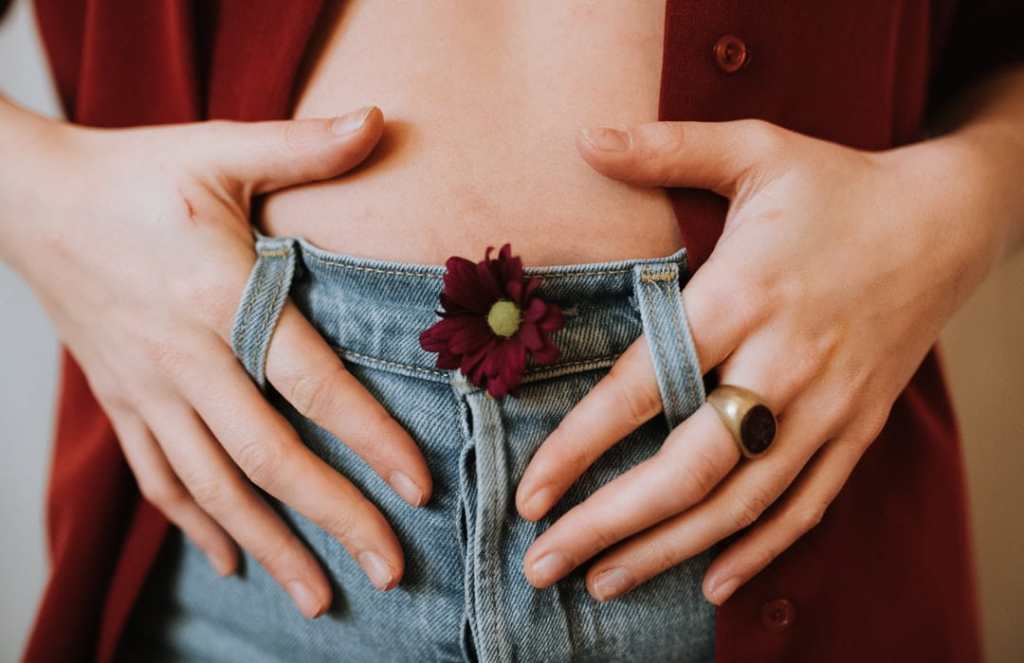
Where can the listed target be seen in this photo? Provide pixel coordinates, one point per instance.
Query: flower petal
(488, 281)
(470, 336)
(531, 336)
(462, 286)
(548, 353)
(553, 319)
(531, 285)
(515, 292)
(535, 310)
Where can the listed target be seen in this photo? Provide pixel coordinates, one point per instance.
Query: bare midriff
(482, 101)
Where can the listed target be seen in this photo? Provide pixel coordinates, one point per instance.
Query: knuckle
(764, 554)
(209, 493)
(210, 294)
(657, 146)
(574, 456)
(812, 356)
(261, 460)
(272, 556)
(761, 136)
(809, 517)
(113, 400)
(294, 136)
(641, 403)
(875, 423)
(604, 536)
(701, 473)
(842, 410)
(749, 508)
(167, 495)
(662, 555)
(341, 523)
(313, 394)
(750, 296)
(164, 352)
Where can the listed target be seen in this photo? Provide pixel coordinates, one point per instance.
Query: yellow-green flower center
(503, 318)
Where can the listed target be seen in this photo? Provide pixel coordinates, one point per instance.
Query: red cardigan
(887, 575)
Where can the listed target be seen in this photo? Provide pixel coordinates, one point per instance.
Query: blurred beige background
(983, 351)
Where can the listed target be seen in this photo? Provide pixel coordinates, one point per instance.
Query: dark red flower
(491, 321)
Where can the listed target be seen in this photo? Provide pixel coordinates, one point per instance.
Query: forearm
(985, 128)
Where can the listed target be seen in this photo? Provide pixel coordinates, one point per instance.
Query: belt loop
(658, 292)
(262, 301)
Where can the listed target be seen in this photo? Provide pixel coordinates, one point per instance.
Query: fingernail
(538, 503)
(405, 487)
(550, 567)
(603, 138)
(612, 582)
(376, 569)
(724, 590)
(350, 122)
(304, 597)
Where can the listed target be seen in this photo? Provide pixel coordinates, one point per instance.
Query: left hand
(835, 272)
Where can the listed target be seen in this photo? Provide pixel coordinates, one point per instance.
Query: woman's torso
(482, 102)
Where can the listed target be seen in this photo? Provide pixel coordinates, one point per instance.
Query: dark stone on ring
(758, 429)
(750, 422)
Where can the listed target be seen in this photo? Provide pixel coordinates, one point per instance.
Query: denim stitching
(531, 371)
(388, 362)
(265, 325)
(648, 277)
(245, 321)
(427, 275)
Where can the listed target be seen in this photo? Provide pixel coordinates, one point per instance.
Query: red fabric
(887, 575)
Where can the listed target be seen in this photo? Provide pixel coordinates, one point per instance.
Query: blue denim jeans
(463, 596)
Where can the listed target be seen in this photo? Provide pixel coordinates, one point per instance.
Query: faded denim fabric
(463, 596)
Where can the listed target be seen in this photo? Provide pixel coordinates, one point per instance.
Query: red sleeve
(973, 38)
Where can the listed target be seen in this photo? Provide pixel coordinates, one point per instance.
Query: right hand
(138, 244)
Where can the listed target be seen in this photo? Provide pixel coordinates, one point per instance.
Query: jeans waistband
(372, 311)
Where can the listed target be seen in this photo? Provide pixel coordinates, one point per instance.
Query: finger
(719, 156)
(601, 419)
(693, 459)
(723, 307)
(778, 363)
(802, 510)
(162, 488)
(618, 404)
(265, 156)
(218, 487)
(307, 372)
(736, 503)
(268, 451)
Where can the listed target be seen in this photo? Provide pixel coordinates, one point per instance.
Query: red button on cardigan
(731, 54)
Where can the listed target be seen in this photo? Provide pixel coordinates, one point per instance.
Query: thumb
(706, 155)
(265, 156)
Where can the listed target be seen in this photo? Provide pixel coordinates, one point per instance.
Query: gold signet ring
(751, 422)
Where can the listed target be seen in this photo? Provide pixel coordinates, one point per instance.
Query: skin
(196, 431)
(151, 330)
(835, 273)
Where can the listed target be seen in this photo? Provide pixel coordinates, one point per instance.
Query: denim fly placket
(495, 608)
(261, 304)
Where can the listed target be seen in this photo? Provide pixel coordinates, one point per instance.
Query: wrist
(951, 189)
(971, 182)
(31, 147)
